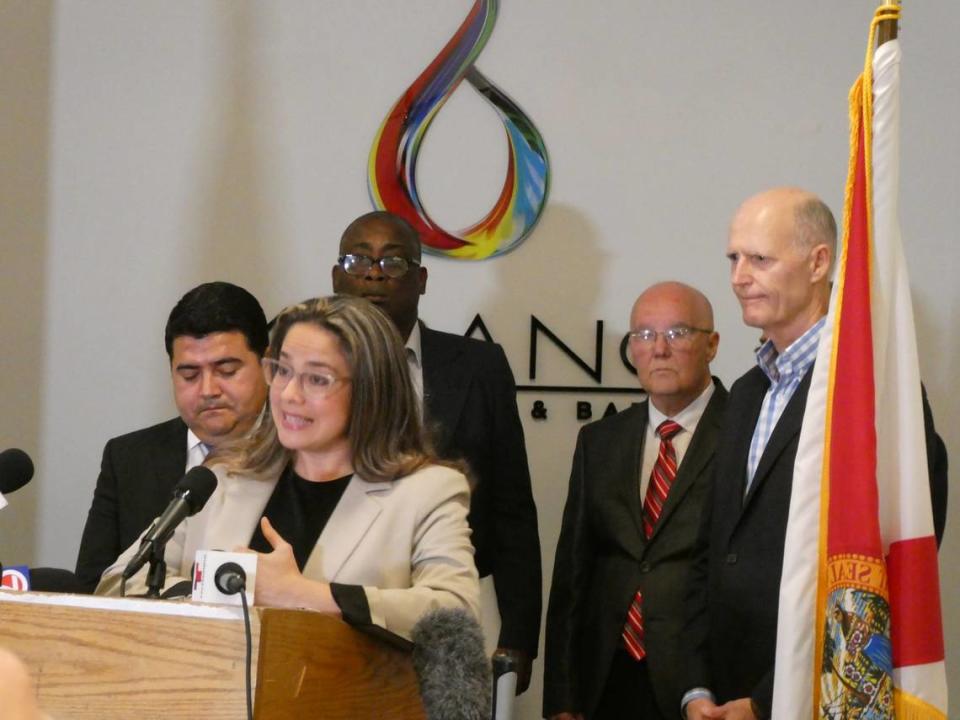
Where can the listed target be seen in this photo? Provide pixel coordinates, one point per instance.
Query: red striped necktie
(662, 477)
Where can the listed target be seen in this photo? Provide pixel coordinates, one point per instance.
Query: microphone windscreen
(196, 487)
(452, 666)
(16, 469)
(55, 580)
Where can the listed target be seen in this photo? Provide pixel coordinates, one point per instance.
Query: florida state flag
(860, 632)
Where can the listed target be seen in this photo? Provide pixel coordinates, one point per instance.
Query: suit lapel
(351, 519)
(787, 428)
(626, 460)
(700, 451)
(444, 390)
(749, 403)
(169, 459)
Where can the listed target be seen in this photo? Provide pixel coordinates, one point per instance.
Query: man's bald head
(701, 311)
(810, 219)
(381, 221)
(674, 372)
(781, 247)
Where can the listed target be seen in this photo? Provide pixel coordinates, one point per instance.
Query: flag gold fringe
(910, 707)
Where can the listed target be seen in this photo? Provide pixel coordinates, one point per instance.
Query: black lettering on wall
(477, 325)
(537, 327)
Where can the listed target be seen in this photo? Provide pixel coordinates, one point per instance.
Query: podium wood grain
(315, 666)
(106, 664)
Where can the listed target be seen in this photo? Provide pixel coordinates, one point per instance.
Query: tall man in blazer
(630, 523)
(781, 247)
(469, 401)
(215, 337)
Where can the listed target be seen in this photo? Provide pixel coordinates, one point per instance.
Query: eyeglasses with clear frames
(393, 266)
(676, 336)
(313, 383)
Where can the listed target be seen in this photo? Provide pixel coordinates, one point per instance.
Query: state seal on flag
(856, 675)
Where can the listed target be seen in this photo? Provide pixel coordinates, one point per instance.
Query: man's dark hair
(218, 307)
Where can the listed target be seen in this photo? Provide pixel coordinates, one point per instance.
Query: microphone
(16, 469)
(219, 577)
(452, 666)
(230, 578)
(190, 494)
(504, 686)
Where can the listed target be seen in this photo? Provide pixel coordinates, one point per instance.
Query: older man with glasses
(469, 403)
(637, 488)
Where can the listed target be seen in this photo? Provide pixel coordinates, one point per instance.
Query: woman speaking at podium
(336, 488)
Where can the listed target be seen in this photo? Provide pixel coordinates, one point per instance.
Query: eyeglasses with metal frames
(675, 336)
(393, 266)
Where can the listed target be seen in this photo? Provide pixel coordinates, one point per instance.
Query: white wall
(146, 147)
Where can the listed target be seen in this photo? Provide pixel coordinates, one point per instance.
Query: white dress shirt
(415, 361)
(687, 419)
(196, 451)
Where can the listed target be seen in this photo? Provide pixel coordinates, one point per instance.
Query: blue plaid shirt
(785, 371)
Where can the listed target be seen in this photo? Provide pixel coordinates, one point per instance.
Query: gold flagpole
(887, 29)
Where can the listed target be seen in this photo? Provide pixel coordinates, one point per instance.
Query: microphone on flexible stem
(190, 494)
(16, 469)
(504, 685)
(452, 666)
(230, 578)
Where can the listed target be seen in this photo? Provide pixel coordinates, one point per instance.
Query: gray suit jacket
(603, 557)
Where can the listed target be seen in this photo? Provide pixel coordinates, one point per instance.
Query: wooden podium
(128, 658)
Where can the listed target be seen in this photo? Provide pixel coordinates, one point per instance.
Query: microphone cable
(231, 579)
(247, 632)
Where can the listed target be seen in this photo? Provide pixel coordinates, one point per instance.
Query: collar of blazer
(233, 511)
(786, 429)
(447, 369)
(168, 457)
(357, 510)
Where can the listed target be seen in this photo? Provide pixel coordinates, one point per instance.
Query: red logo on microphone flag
(16, 578)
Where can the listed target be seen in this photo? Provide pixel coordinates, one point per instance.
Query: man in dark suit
(629, 527)
(469, 400)
(781, 247)
(215, 338)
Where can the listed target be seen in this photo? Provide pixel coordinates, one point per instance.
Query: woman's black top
(299, 509)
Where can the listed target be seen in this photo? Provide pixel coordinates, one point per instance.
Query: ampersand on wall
(539, 410)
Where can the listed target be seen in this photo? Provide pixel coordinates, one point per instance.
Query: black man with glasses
(469, 404)
(637, 488)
